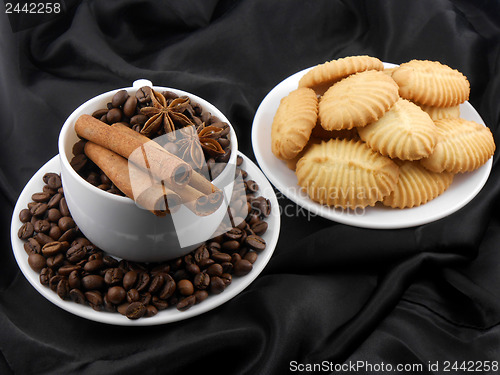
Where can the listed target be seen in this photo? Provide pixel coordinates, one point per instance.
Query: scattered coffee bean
(135, 310)
(75, 269)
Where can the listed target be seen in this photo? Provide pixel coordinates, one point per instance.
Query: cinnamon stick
(164, 165)
(147, 193)
(197, 181)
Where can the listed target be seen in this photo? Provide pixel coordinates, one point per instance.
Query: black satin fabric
(331, 292)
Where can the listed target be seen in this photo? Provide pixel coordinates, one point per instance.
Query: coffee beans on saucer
(76, 270)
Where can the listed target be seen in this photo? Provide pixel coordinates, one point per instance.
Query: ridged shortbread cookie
(293, 122)
(322, 76)
(416, 185)
(347, 174)
(431, 83)
(439, 113)
(292, 163)
(357, 100)
(462, 146)
(405, 132)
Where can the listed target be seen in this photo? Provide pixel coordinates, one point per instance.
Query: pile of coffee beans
(76, 270)
(126, 109)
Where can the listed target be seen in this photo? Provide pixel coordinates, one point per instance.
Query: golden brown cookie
(346, 174)
(462, 146)
(389, 71)
(416, 185)
(293, 122)
(322, 76)
(357, 100)
(431, 83)
(439, 113)
(405, 132)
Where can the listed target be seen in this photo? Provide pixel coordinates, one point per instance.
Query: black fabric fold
(331, 292)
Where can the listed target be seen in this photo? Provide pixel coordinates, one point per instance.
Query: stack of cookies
(357, 134)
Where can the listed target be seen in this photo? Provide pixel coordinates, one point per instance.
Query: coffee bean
(242, 267)
(74, 279)
(69, 235)
(130, 106)
(76, 253)
(114, 115)
(168, 288)
(145, 298)
(206, 262)
(52, 248)
(217, 285)
(65, 223)
(151, 311)
(227, 278)
(40, 197)
(138, 120)
(230, 246)
(63, 289)
(67, 269)
(200, 295)
(142, 281)
(185, 287)
(24, 215)
(42, 238)
(214, 246)
(157, 283)
(221, 257)
(37, 262)
(119, 98)
(55, 261)
(113, 276)
(256, 242)
(214, 270)
(251, 256)
(94, 265)
(55, 232)
(143, 95)
(63, 207)
(78, 162)
(116, 294)
(159, 303)
(45, 275)
(260, 227)
(192, 268)
(234, 234)
(94, 299)
(186, 303)
(201, 253)
(133, 295)
(129, 279)
(26, 231)
(77, 296)
(108, 305)
(91, 282)
(54, 201)
(227, 267)
(53, 214)
(201, 281)
(32, 246)
(79, 147)
(135, 310)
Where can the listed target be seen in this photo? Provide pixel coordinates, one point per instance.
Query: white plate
(462, 190)
(170, 314)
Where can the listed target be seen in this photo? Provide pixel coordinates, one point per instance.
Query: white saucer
(463, 189)
(171, 314)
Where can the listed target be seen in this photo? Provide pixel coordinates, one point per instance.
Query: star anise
(191, 143)
(167, 115)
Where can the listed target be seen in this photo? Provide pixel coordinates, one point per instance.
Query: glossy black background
(331, 292)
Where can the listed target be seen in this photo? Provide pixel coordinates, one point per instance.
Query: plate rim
(331, 213)
(171, 314)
